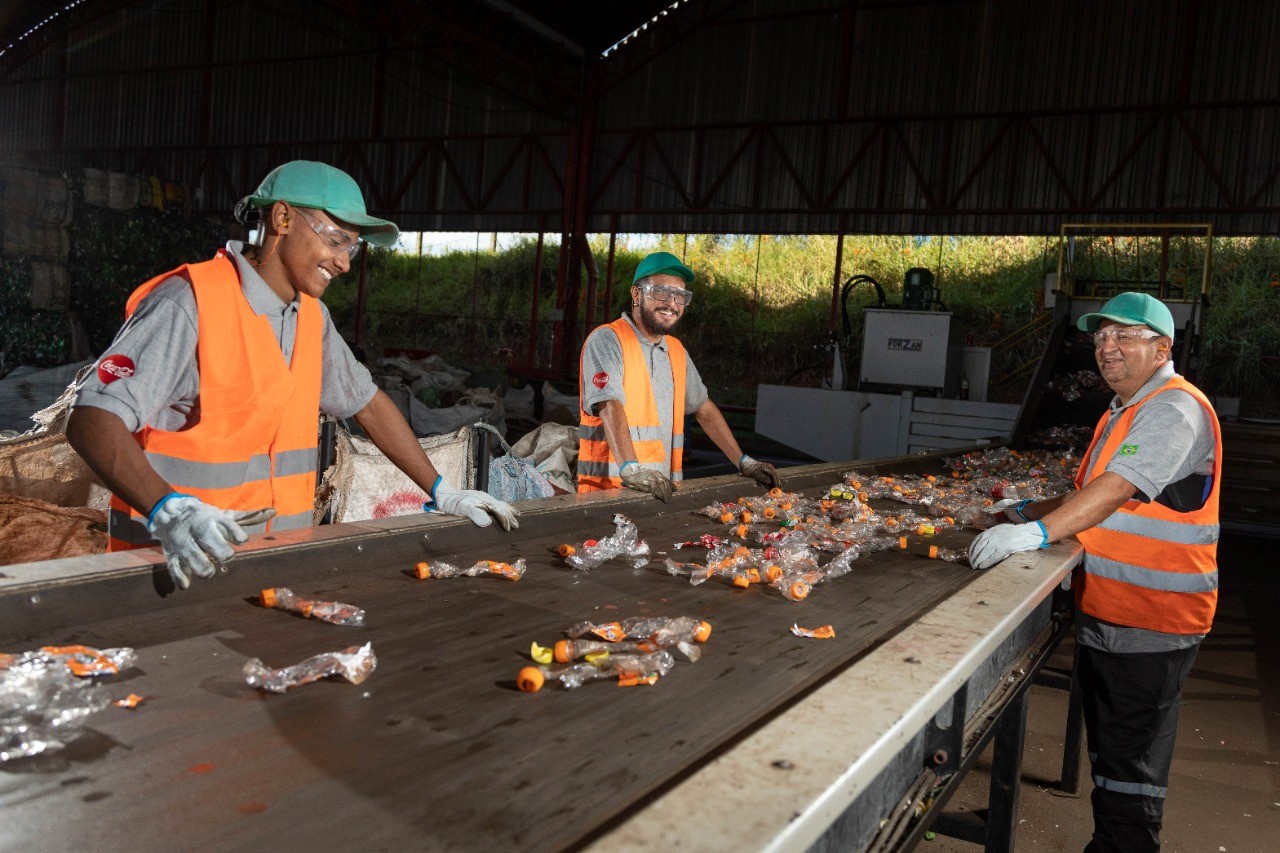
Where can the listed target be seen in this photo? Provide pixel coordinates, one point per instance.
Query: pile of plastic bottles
(632, 651)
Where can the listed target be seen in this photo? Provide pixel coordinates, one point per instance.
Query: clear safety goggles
(335, 238)
(1122, 336)
(665, 293)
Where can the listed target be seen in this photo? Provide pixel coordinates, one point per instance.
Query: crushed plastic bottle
(334, 612)
(664, 630)
(629, 670)
(625, 542)
(639, 634)
(354, 663)
(439, 569)
(43, 704)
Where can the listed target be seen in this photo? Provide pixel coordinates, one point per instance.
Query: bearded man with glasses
(1146, 511)
(201, 417)
(636, 383)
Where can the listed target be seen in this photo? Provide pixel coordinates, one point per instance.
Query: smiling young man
(636, 382)
(201, 417)
(1147, 515)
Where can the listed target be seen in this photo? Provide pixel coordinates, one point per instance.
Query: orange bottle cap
(702, 632)
(268, 597)
(530, 679)
(564, 651)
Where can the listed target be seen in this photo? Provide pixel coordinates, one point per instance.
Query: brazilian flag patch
(1128, 449)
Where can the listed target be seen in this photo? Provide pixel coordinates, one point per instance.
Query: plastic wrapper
(87, 661)
(629, 670)
(706, 540)
(334, 612)
(625, 542)
(483, 568)
(354, 663)
(42, 704)
(825, 632)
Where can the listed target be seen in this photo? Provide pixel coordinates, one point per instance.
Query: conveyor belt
(437, 750)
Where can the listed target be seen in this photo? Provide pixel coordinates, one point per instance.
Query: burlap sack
(33, 530)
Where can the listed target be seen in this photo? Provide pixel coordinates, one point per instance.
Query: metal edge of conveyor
(949, 747)
(784, 786)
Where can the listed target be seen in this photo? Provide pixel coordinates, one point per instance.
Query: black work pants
(1131, 717)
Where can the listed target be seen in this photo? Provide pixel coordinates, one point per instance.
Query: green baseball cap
(662, 263)
(1131, 309)
(319, 186)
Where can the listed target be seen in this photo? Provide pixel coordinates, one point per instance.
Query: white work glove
(762, 472)
(475, 505)
(1009, 509)
(197, 537)
(642, 479)
(995, 544)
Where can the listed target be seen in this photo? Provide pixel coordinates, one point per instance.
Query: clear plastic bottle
(439, 569)
(335, 612)
(625, 541)
(354, 663)
(629, 670)
(662, 630)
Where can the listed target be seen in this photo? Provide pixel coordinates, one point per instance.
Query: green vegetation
(761, 312)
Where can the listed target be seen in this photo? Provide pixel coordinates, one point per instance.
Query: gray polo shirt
(602, 357)
(160, 340)
(1173, 438)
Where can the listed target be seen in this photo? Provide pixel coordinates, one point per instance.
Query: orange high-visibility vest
(255, 444)
(1148, 565)
(597, 466)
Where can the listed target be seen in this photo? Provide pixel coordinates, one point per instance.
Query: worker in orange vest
(1146, 511)
(202, 416)
(636, 381)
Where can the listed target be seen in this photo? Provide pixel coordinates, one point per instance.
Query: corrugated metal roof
(731, 116)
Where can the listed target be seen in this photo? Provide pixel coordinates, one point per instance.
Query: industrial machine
(915, 346)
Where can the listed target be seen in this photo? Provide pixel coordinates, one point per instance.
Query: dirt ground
(1224, 789)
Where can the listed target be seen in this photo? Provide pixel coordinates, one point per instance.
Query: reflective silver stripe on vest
(1177, 532)
(677, 476)
(292, 462)
(123, 526)
(593, 469)
(210, 475)
(677, 441)
(591, 433)
(1150, 578)
(1139, 788)
(647, 433)
(285, 522)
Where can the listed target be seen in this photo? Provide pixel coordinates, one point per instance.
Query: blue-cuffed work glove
(642, 479)
(475, 505)
(197, 537)
(995, 544)
(1009, 509)
(762, 472)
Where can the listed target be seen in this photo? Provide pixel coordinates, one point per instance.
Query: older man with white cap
(1146, 511)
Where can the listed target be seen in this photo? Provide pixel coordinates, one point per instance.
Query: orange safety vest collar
(1148, 565)
(255, 443)
(597, 466)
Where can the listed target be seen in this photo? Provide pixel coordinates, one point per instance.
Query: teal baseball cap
(319, 186)
(1131, 309)
(662, 263)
